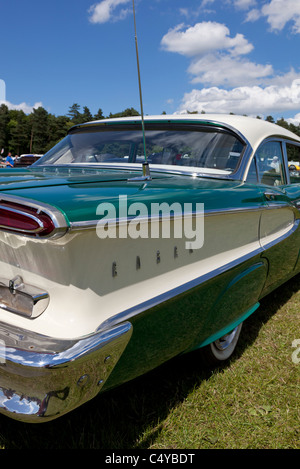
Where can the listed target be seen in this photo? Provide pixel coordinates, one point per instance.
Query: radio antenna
(146, 170)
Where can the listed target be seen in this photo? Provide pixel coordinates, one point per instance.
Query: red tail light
(20, 219)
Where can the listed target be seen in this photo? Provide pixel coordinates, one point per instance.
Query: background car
(26, 160)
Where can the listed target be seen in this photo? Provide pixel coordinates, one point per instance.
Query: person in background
(9, 161)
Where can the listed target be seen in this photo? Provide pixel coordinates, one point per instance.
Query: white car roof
(253, 129)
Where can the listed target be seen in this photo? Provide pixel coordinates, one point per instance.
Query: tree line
(39, 131)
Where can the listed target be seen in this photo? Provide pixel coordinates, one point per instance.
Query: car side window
(270, 168)
(293, 156)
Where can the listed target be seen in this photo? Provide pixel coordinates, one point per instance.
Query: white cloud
(216, 57)
(232, 82)
(206, 2)
(294, 120)
(225, 70)
(280, 12)
(244, 99)
(284, 79)
(203, 38)
(244, 4)
(105, 11)
(26, 108)
(253, 15)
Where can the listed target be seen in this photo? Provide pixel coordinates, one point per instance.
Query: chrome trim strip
(83, 225)
(137, 168)
(281, 238)
(248, 209)
(91, 224)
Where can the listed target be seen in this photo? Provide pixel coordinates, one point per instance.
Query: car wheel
(222, 349)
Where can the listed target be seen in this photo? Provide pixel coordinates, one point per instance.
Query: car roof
(254, 130)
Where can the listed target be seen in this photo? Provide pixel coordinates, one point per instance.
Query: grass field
(252, 402)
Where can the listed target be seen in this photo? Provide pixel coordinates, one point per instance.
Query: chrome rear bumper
(43, 378)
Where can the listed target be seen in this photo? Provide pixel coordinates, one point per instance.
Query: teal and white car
(129, 244)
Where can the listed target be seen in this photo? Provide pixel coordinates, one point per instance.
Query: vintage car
(134, 241)
(25, 160)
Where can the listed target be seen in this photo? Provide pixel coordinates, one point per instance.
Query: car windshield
(212, 149)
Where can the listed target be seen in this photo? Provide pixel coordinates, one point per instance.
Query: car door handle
(270, 195)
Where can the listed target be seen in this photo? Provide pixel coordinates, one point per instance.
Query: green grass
(252, 402)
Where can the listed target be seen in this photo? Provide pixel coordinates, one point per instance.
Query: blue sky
(238, 56)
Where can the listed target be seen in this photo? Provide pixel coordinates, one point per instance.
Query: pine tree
(19, 135)
(39, 130)
(99, 115)
(74, 113)
(86, 116)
